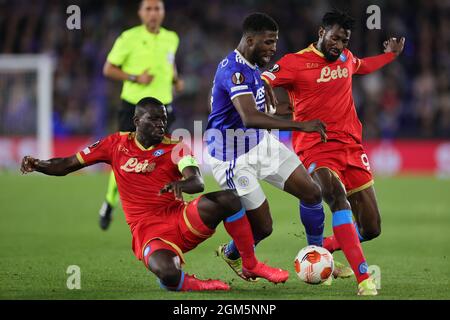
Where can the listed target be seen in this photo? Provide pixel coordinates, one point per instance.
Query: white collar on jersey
(245, 60)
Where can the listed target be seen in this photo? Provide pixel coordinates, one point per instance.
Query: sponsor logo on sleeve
(237, 78)
(94, 144)
(87, 150)
(275, 68)
(237, 88)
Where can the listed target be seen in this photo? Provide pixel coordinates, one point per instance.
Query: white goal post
(43, 65)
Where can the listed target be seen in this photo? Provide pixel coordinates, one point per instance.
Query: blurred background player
(151, 186)
(240, 155)
(319, 83)
(143, 58)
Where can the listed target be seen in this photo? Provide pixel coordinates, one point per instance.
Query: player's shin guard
(239, 229)
(331, 244)
(112, 194)
(313, 217)
(347, 237)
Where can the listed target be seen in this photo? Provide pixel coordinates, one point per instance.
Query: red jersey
(320, 89)
(141, 173)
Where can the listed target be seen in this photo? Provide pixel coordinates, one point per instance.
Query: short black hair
(341, 18)
(142, 2)
(146, 102)
(259, 22)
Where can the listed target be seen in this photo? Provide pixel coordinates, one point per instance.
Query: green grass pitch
(50, 223)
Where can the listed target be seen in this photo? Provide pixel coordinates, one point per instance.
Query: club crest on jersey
(363, 267)
(275, 68)
(158, 153)
(238, 78)
(224, 63)
(342, 57)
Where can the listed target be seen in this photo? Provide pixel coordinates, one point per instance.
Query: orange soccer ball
(314, 264)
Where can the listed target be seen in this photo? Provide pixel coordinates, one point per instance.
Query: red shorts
(349, 162)
(180, 230)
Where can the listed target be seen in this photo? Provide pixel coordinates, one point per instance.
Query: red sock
(330, 243)
(347, 237)
(239, 229)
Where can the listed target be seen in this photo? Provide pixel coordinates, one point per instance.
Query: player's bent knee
(339, 203)
(262, 232)
(230, 202)
(167, 273)
(371, 233)
(330, 195)
(314, 195)
(337, 199)
(164, 264)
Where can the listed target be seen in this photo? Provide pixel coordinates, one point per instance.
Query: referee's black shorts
(126, 114)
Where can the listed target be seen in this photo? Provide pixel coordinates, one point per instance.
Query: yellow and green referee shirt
(137, 50)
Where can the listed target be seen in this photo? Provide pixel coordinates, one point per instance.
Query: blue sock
(313, 217)
(361, 238)
(231, 251)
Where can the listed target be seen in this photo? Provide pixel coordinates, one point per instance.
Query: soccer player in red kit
(318, 80)
(151, 172)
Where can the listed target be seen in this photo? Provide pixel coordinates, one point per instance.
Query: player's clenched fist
(29, 164)
(175, 187)
(314, 126)
(271, 99)
(394, 45)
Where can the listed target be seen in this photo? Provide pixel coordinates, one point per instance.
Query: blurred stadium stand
(407, 99)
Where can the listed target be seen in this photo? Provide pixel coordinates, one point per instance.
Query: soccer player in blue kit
(241, 148)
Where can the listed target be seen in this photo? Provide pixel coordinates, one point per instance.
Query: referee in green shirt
(143, 58)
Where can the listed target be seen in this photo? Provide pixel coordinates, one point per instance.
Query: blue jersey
(226, 136)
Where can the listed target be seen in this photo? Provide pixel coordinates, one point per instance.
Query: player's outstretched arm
(393, 47)
(252, 118)
(192, 183)
(52, 167)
